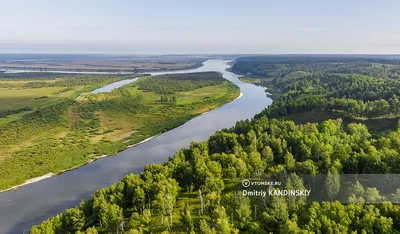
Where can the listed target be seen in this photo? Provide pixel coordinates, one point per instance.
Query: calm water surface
(31, 204)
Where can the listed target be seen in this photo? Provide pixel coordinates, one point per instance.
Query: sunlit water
(33, 203)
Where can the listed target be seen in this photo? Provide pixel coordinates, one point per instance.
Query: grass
(217, 91)
(16, 94)
(381, 127)
(253, 80)
(14, 117)
(18, 98)
(22, 82)
(117, 126)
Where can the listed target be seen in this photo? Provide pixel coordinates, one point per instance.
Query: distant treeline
(171, 83)
(355, 87)
(355, 95)
(276, 66)
(32, 76)
(62, 81)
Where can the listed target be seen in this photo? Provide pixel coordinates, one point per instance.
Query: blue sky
(200, 26)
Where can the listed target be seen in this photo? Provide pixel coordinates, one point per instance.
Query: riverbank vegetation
(57, 130)
(199, 189)
(169, 84)
(253, 80)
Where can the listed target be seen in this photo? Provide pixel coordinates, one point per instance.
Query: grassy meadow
(253, 80)
(48, 126)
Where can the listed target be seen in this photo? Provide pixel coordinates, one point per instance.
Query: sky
(200, 26)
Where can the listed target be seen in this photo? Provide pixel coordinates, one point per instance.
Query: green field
(36, 97)
(156, 116)
(253, 80)
(62, 130)
(21, 94)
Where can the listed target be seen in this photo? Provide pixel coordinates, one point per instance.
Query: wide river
(33, 203)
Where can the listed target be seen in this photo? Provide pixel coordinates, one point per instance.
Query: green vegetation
(195, 191)
(253, 80)
(281, 66)
(60, 131)
(355, 89)
(21, 93)
(168, 84)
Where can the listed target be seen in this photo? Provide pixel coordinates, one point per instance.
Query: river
(33, 203)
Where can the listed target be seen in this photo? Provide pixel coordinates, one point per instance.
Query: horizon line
(166, 54)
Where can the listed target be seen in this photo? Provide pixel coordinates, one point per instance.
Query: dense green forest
(280, 66)
(194, 192)
(363, 90)
(63, 130)
(199, 189)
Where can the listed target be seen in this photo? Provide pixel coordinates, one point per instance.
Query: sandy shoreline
(30, 181)
(240, 95)
(145, 140)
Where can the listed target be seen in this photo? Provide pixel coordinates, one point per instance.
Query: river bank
(51, 174)
(30, 181)
(31, 204)
(240, 95)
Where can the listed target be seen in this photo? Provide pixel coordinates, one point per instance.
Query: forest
(199, 189)
(194, 192)
(60, 124)
(363, 90)
(280, 66)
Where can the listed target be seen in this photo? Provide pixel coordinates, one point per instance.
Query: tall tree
(332, 183)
